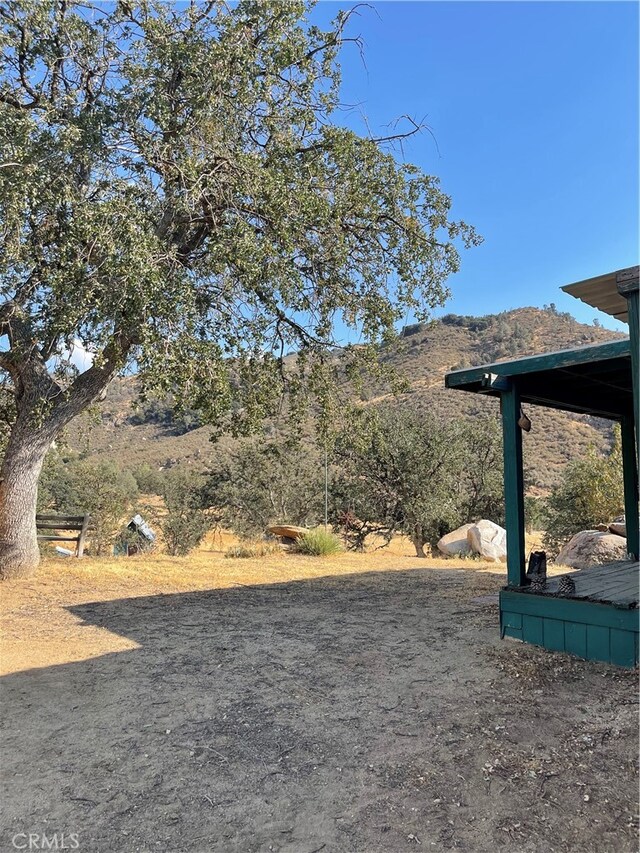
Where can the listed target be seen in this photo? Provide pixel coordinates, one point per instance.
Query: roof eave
(538, 363)
(607, 293)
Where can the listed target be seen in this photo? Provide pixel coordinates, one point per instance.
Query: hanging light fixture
(524, 422)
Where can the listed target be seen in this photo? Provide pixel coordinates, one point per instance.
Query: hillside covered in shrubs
(417, 462)
(153, 434)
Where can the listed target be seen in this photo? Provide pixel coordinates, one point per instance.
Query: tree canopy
(179, 196)
(266, 481)
(404, 472)
(174, 190)
(591, 492)
(101, 490)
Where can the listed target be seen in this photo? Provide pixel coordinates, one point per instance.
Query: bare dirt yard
(352, 704)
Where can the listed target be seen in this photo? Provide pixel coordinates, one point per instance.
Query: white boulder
(489, 540)
(455, 543)
(592, 548)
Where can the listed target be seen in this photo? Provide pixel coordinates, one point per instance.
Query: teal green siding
(553, 630)
(582, 628)
(532, 630)
(623, 647)
(575, 639)
(598, 647)
(513, 620)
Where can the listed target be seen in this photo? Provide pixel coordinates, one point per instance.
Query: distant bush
(150, 481)
(535, 513)
(412, 329)
(456, 320)
(185, 523)
(461, 365)
(245, 550)
(102, 490)
(162, 412)
(590, 493)
(474, 324)
(318, 543)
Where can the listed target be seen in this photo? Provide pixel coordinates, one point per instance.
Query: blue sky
(534, 107)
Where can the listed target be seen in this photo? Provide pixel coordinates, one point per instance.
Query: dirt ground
(354, 704)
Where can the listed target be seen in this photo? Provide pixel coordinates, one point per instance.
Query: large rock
(455, 543)
(618, 526)
(592, 548)
(287, 531)
(489, 540)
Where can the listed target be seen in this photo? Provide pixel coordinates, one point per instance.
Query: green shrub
(590, 493)
(150, 480)
(318, 543)
(535, 513)
(185, 522)
(403, 471)
(246, 550)
(102, 490)
(263, 482)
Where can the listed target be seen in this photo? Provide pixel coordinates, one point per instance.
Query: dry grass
(261, 548)
(207, 567)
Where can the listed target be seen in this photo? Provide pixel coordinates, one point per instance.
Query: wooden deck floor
(614, 583)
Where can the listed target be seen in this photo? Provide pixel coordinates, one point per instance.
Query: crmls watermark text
(42, 841)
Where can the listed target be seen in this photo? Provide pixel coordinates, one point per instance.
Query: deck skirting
(589, 630)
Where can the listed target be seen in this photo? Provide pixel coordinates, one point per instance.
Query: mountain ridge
(423, 353)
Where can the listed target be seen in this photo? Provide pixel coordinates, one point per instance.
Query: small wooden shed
(599, 620)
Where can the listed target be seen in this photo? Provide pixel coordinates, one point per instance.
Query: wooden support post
(628, 286)
(633, 303)
(630, 474)
(513, 485)
(81, 537)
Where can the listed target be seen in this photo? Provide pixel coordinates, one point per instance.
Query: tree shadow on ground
(343, 713)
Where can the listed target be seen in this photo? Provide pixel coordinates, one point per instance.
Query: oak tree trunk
(418, 541)
(21, 467)
(44, 408)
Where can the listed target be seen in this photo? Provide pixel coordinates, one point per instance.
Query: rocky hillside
(423, 354)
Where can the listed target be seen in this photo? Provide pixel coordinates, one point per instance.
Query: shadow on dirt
(347, 713)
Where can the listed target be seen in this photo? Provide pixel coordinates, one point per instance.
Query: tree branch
(88, 386)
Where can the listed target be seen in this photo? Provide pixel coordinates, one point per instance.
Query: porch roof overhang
(607, 292)
(594, 380)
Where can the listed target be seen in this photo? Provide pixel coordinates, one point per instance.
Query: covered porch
(599, 620)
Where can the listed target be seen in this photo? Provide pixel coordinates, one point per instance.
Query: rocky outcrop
(489, 540)
(592, 548)
(455, 543)
(618, 526)
(287, 531)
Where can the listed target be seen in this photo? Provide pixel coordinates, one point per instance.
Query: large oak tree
(178, 196)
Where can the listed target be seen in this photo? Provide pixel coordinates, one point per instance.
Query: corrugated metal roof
(142, 527)
(602, 292)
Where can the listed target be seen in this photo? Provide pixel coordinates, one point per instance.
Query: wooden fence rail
(65, 523)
